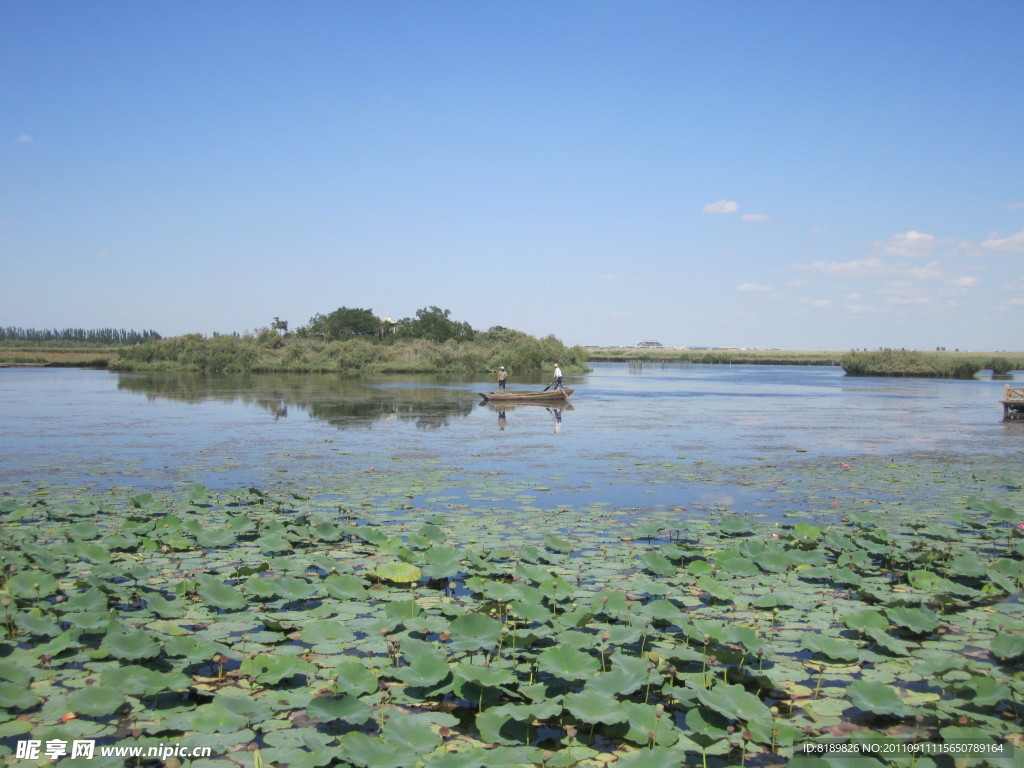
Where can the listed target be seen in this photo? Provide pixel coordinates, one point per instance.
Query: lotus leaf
(345, 587)
(658, 564)
(876, 698)
(473, 631)
(833, 648)
(220, 595)
(274, 668)
(37, 626)
(567, 663)
(400, 573)
(95, 700)
(652, 757)
(916, 620)
(131, 645)
(14, 695)
(736, 526)
(369, 752)
(596, 707)
(427, 665)
(355, 678)
(345, 707)
(137, 680)
(1008, 647)
(32, 584)
(645, 720)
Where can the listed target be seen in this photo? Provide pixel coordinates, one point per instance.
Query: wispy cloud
(1011, 244)
(24, 138)
(1014, 207)
(754, 288)
(722, 206)
(756, 217)
(908, 244)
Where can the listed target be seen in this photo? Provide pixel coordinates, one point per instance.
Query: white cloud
(1014, 206)
(873, 267)
(1011, 244)
(754, 288)
(722, 206)
(25, 139)
(816, 302)
(756, 217)
(908, 244)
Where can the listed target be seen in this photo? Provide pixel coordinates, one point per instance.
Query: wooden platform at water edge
(1013, 403)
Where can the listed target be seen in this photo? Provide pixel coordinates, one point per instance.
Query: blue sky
(760, 174)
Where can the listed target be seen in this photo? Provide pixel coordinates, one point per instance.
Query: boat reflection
(503, 409)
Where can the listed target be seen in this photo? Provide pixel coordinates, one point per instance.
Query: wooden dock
(1013, 403)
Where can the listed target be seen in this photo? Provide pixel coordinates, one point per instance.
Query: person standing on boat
(557, 380)
(502, 375)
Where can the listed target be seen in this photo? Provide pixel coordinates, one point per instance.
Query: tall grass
(274, 353)
(944, 365)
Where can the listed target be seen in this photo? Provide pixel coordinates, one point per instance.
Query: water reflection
(343, 403)
(503, 409)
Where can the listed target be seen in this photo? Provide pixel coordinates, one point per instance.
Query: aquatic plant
(277, 624)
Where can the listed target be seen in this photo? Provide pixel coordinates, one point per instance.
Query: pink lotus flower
(1020, 526)
(845, 466)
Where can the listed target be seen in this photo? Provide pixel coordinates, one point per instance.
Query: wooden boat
(552, 395)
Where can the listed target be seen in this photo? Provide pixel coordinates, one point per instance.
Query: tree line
(430, 323)
(108, 336)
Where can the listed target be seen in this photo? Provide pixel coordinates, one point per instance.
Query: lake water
(635, 436)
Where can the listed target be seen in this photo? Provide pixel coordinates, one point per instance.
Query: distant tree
(434, 323)
(279, 325)
(343, 323)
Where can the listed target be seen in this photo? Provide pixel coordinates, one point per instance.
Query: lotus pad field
(283, 628)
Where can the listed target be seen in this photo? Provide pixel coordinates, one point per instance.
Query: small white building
(650, 344)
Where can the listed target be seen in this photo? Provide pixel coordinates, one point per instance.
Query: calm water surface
(160, 431)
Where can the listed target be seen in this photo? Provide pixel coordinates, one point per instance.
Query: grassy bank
(55, 355)
(271, 352)
(886, 362)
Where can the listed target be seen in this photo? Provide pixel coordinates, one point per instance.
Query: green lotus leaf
(1008, 647)
(345, 587)
(402, 609)
(730, 561)
(15, 695)
(32, 584)
(427, 665)
(37, 626)
(293, 588)
(734, 703)
(556, 544)
(736, 526)
(84, 530)
(485, 677)
(95, 700)
(595, 708)
(658, 564)
(774, 561)
(220, 595)
(268, 668)
(865, 619)
(875, 697)
(136, 680)
(327, 631)
(567, 663)
(916, 620)
(216, 537)
(474, 631)
(716, 589)
(653, 757)
(441, 561)
(400, 573)
(344, 707)
(131, 645)
(375, 752)
(355, 678)
(643, 720)
(272, 543)
(831, 647)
